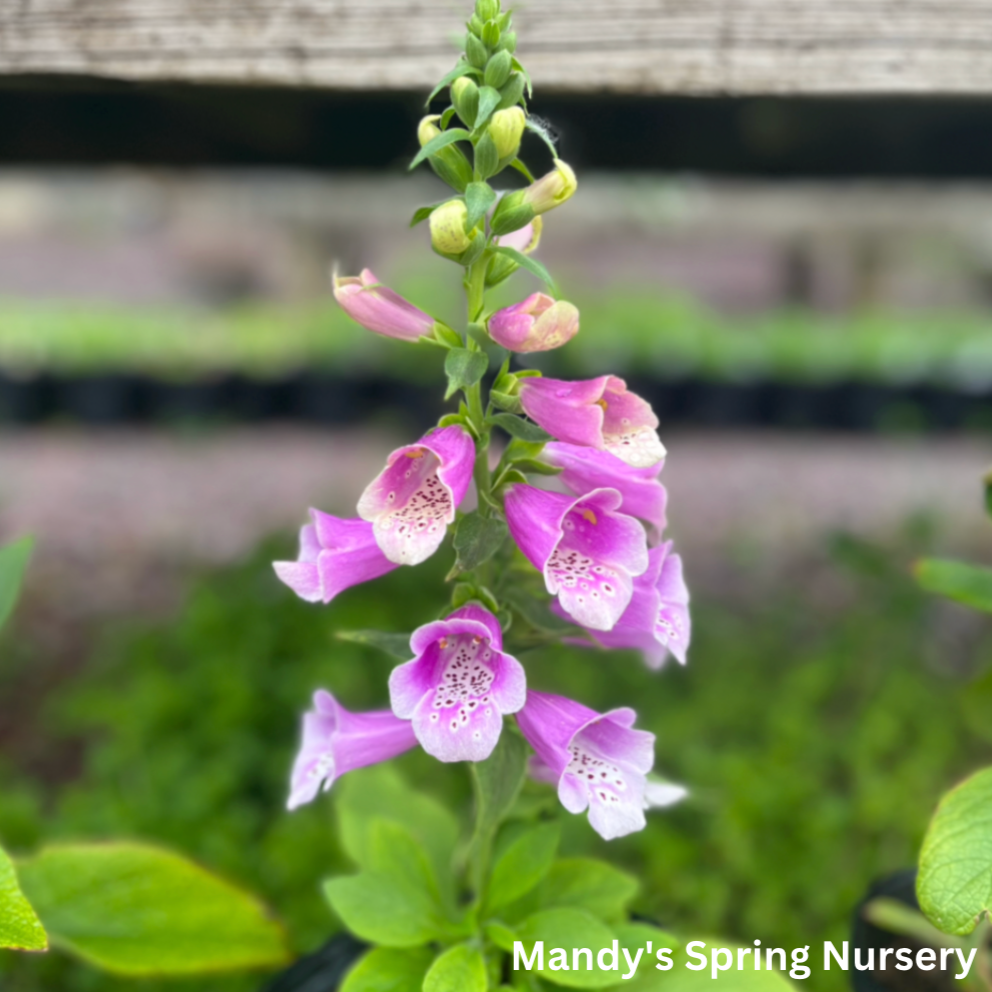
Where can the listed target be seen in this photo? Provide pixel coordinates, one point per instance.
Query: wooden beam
(629, 46)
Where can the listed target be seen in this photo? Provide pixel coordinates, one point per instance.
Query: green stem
(475, 286)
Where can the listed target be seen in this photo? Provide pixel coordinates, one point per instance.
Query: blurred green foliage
(817, 723)
(624, 328)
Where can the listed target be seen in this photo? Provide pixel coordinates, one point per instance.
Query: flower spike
(336, 741)
(335, 554)
(412, 501)
(587, 552)
(459, 685)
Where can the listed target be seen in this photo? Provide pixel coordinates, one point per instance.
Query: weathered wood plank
(634, 46)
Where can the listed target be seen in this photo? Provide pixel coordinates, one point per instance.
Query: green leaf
(396, 902)
(395, 645)
(486, 156)
(20, 927)
(681, 979)
(477, 539)
(464, 368)
(533, 467)
(535, 611)
(489, 99)
(532, 265)
(954, 884)
(138, 910)
(459, 969)
(13, 562)
(569, 928)
(389, 969)
(523, 170)
(967, 584)
(522, 865)
(585, 883)
(449, 77)
(379, 793)
(438, 142)
(520, 428)
(497, 782)
(422, 213)
(479, 197)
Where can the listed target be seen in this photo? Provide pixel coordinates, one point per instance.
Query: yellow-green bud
(551, 190)
(428, 129)
(506, 128)
(465, 97)
(487, 9)
(448, 235)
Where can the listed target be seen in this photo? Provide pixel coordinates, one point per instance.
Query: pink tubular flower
(336, 741)
(586, 551)
(459, 685)
(412, 501)
(539, 323)
(596, 761)
(598, 413)
(335, 554)
(379, 309)
(657, 620)
(585, 469)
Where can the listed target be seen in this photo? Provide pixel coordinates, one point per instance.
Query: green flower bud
(498, 69)
(487, 9)
(448, 234)
(486, 156)
(476, 53)
(465, 97)
(476, 24)
(490, 34)
(506, 129)
(508, 43)
(512, 91)
(450, 163)
(511, 213)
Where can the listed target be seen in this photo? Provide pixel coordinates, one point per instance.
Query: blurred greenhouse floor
(120, 513)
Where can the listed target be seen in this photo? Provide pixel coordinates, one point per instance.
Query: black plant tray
(335, 399)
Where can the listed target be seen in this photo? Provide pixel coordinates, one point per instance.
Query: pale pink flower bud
(539, 323)
(378, 309)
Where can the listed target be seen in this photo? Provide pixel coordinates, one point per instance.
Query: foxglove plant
(590, 533)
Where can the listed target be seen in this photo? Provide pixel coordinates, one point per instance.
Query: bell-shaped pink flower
(458, 687)
(657, 620)
(584, 469)
(596, 761)
(336, 741)
(587, 552)
(599, 413)
(412, 501)
(539, 323)
(377, 308)
(335, 554)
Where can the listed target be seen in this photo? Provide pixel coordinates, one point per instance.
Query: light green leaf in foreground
(954, 884)
(138, 910)
(569, 929)
(13, 563)
(460, 969)
(389, 969)
(20, 927)
(967, 584)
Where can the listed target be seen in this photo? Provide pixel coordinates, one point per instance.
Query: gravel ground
(121, 514)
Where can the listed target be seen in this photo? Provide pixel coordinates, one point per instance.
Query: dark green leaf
(530, 264)
(449, 77)
(459, 969)
(446, 118)
(138, 910)
(522, 865)
(523, 72)
(379, 793)
(522, 169)
(438, 142)
(13, 562)
(479, 197)
(389, 969)
(422, 213)
(20, 927)
(396, 645)
(520, 428)
(464, 368)
(533, 467)
(569, 928)
(498, 781)
(968, 584)
(954, 884)
(477, 539)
